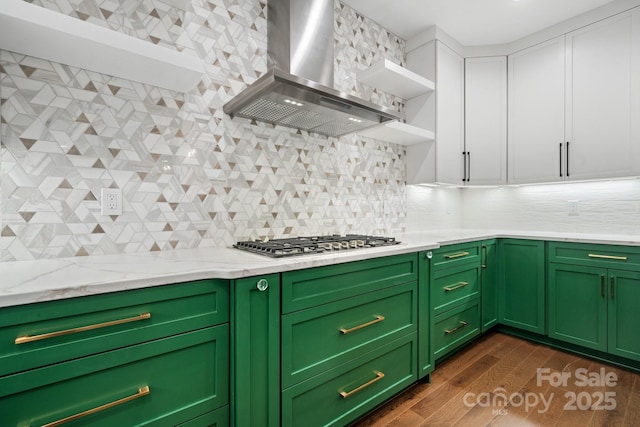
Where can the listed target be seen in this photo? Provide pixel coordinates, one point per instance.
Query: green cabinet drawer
(345, 393)
(163, 382)
(217, 418)
(609, 256)
(321, 285)
(455, 285)
(319, 338)
(455, 327)
(461, 253)
(44, 333)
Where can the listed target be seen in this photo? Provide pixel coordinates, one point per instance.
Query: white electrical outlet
(111, 201)
(574, 207)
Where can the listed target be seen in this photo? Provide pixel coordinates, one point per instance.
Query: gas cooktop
(278, 248)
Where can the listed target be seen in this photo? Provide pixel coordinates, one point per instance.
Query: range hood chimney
(297, 91)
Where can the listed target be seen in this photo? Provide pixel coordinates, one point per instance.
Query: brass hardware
(31, 338)
(611, 286)
(619, 258)
(484, 256)
(602, 285)
(458, 255)
(143, 391)
(379, 376)
(456, 329)
(364, 325)
(456, 286)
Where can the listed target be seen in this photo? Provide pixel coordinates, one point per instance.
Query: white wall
(605, 207)
(433, 208)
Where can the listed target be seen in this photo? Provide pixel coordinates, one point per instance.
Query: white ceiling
(472, 22)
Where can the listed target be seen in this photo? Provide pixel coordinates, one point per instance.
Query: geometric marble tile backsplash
(190, 176)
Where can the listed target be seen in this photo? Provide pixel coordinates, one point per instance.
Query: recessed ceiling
(472, 22)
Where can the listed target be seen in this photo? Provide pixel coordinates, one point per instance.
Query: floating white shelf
(35, 31)
(391, 77)
(399, 133)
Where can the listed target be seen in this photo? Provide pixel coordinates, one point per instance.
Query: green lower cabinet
(425, 325)
(164, 382)
(341, 395)
(578, 305)
(521, 284)
(255, 351)
(624, 315)
(489, 284)
(455, 328)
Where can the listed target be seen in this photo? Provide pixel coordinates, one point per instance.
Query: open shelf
(392, 78)
(42, 33)
(399, 133)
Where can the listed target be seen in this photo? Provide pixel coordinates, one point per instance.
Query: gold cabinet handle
(458, 255)
(456, 329)
(379, 376)
(456, 286)
(31, 338)
(378, 319)
(619, 258)
(484, 257)
(143, 391)
(611, 286)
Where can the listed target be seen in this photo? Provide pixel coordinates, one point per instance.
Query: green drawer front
(455, 327)
(187, 376)
(609, 256)
(450, 255)
(319, 338)
(217, 418)
(171, 310)
(366, 381)
(455, 285)
(321, 285)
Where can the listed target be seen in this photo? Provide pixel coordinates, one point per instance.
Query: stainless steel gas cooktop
(278, 248)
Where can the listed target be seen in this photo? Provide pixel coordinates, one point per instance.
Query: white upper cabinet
(574, 105)
(602, 92)
(449, 116)
(485, 121)
(536, 113)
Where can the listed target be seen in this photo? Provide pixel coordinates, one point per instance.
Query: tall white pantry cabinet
(574, 104)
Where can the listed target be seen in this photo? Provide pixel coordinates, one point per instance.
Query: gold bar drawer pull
(456, 286)
(143, 391)
(456, 329)
(619, 258)
(31, 338)
(379, 376)
(458, 255)
(378, 319)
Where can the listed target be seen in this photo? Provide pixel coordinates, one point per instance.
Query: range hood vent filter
(304, 98)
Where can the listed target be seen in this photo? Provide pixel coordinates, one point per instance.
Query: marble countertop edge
(25, 282)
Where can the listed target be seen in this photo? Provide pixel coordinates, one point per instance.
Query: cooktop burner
(278, 248)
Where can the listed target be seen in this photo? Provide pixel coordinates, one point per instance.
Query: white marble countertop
(24, 282)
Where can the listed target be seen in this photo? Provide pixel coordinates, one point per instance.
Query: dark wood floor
(467, 390)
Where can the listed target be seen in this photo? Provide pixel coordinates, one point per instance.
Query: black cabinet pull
(560, 160)
(464, 166)
(567, 159)
(468, 166)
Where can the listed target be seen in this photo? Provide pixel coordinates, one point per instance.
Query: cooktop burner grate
(278, 248)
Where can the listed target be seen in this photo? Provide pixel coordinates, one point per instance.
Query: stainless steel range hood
(297, 91)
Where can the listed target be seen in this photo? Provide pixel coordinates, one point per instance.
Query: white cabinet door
(449, 115)
(601, 90)
(536, 113)
(485, 92)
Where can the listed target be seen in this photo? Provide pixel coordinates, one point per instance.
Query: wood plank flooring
(495, 382)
